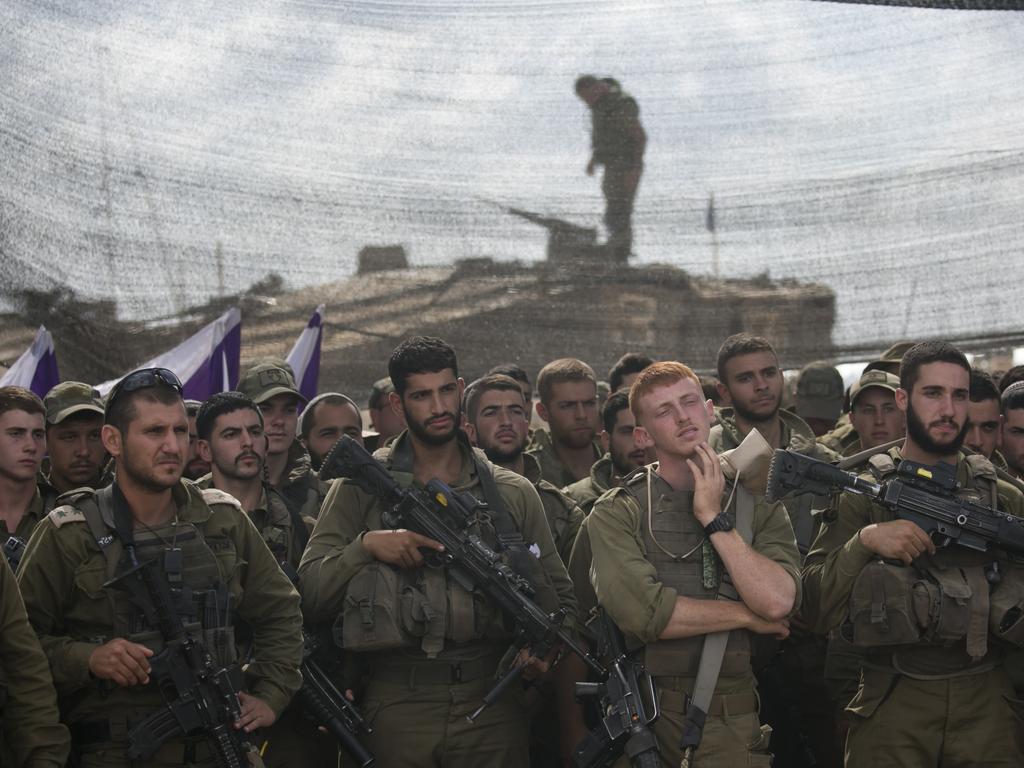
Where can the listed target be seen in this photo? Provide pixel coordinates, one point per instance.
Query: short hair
(1012, 398)
(631, 362)
(20, 399)
(617, 401)
(192, 408)
(928, 352)
(490, 383)
(307, 419)
(661, 374)
(220, 404)
(741, 344)
(561, 370)
(379, 394)
(420, 354)
(710, 386)
(1012, 376)
(983, 386)
(513, 371)
(123, 411)
(583, 82)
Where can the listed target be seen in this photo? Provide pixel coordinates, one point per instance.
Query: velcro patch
(216, 496)
(66, 514)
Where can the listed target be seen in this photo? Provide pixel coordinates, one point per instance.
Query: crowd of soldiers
(823, 628)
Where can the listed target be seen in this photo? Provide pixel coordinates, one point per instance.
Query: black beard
(499, 456)
(431, 439)
(917, 432)
(754, 418)
(621, 469)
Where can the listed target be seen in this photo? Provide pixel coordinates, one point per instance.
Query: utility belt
(415, 672)
(722, 705)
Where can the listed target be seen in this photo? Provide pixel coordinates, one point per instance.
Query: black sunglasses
(143, 378)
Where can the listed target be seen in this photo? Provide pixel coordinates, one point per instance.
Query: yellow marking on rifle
(441, 499)
(924, 473)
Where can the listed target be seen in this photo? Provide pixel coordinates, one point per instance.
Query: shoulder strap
(93, 508)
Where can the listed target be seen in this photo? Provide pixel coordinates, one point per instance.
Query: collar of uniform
(791, 425)
(602, 474)
(298, 466)
(531, 468)
(186, 496)
(398, 458)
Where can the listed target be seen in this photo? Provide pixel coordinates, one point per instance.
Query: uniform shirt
(302, 489)
(29, 520)
(563, 516)
(612, 119)
(589, 489)
(62, 577)
(551, 467)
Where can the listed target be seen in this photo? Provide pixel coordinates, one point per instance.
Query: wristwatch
(720, 523)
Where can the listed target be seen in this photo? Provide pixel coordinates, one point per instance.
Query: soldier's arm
(270, 606)
(31, 721)
(572, 530)
(335, 552)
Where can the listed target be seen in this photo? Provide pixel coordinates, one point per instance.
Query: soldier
(933, 689)
(383, 419)
(74, 417)
(271, 385)
(32, 735)
(625, 370)
(819, 396)
(873, 413)
(195, 467)
(983, 417)
(428, 666)
(662, 544)
(520, 377)
(22, 447)
(568, 403)
(324, 420)
(623, 455)
(618, 142)
(98, 642)
(1011, 435)
(496, 422)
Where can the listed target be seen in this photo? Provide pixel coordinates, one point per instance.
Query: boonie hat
(70, 397)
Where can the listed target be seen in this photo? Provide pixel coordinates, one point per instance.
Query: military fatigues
(564, 517)
(551, 467)
(586, 491)
(430, 662)
(32, 735)
(28, 522)
(637, 583)
(302, 490)
(940, 695)
(75, 551)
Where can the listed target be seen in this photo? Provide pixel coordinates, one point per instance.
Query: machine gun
(626, 725)
(201, 696)
(925, 495)
(442, 514)
(14, 550)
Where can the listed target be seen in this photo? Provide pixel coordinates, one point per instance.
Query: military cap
(891, 358)
(379, 395)
(819, 391)
(875, 378)
(266, 380)
(70, 397)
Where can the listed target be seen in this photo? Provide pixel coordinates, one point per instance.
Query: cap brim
(874, 385)
(72, 409)
(275, 391)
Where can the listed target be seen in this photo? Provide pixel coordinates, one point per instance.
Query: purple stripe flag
(305, 355)
(36, 369)
(206, 362)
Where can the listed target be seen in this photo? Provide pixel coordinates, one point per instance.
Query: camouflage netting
(158, 156)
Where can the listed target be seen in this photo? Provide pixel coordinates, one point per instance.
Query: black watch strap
(719, 524)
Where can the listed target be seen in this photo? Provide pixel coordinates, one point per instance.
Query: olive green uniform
(63, 578)
(637, 584)
(919, 703)
(586, 491)
(32, 735)
(564, 517)
(28, 522)
(551, 467)
(302, 489)
(423, 683)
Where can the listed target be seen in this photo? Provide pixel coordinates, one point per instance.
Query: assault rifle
(925, 495)
(443, 514)
(626, 726)
(14, 550)
(201, 697)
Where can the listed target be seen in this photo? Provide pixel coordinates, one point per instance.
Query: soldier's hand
(897, 540)
(534, 667)
(256, 713)
(708, 483)
(122, 662)
(761, 626)
(399, 547)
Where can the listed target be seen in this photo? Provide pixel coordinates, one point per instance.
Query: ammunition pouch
(1006, 617)
(383, 611)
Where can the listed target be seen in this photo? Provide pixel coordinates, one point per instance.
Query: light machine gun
(626, 725)
(925, 495)
(442, 514)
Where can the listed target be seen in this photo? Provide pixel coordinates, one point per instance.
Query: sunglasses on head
(143, 379)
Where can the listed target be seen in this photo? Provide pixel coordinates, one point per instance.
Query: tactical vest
(693, 569)
(928, 620)
(282, 529)
(387, 607)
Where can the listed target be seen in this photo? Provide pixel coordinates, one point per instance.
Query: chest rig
(282, 529)
(201, 595)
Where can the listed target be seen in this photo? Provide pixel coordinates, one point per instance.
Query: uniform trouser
(972, 720)
(170, 755)
(618, 210)
(733, 736)
(425, 726)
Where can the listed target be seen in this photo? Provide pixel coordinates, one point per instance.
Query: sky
(159, 153)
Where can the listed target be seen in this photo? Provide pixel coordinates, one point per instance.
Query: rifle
(442, 514)
(925, 495)
(14, 550)
(626, 726)
(201, 697)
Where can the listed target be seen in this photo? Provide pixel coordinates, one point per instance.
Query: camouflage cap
(378, 395)
(70, 397)
(891, 358)
(819, 391)
(875, 378)
(266, 380)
